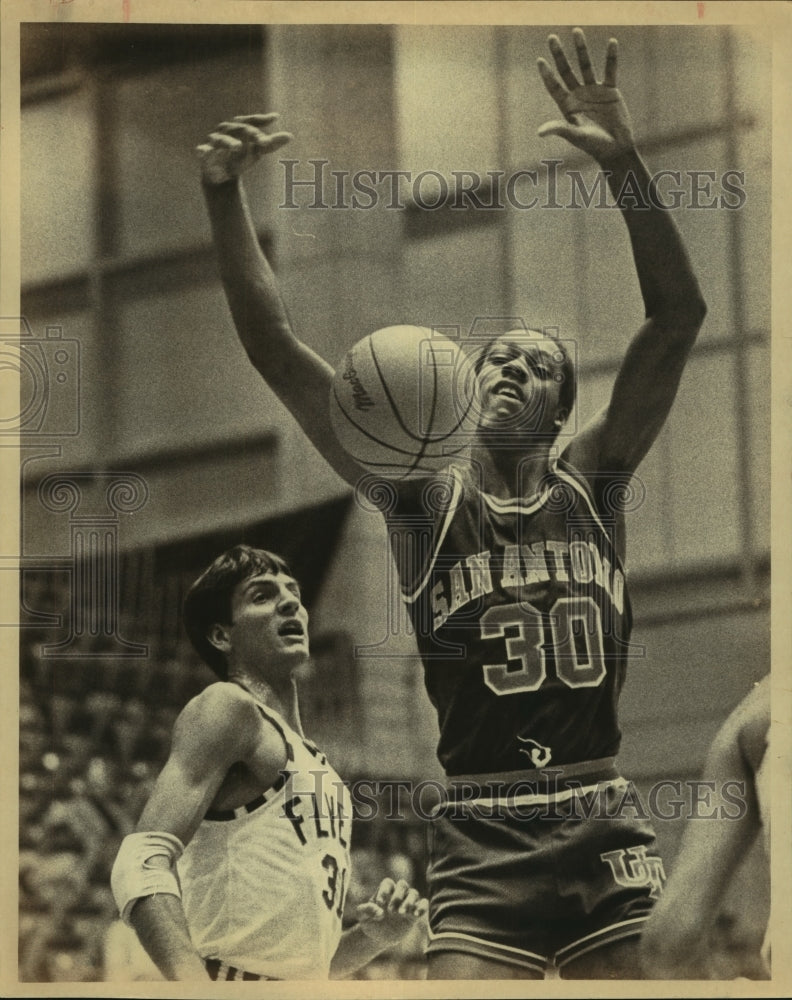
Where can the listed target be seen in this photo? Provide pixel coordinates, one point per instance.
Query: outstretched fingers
(215, 141)
(584, 59)
(236, 145)
(554, 88)
(240, 130)
(611, 59)
(562, 64)
(586, 69)
(253, 134)
(259, 120)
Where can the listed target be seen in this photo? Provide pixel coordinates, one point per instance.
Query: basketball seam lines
(425, 440)
(372, 437)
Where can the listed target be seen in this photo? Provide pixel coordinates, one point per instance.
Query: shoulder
(754, 724)
(220, 703)
(222, 717)
(433, 493)
(746, 728)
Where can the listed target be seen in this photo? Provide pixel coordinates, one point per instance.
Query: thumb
(560, 128)
(369, 911)
(269, 143)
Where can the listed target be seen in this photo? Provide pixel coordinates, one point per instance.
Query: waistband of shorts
(536, 781)
(221, 972)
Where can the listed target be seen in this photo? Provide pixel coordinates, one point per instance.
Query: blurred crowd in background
(94, 734)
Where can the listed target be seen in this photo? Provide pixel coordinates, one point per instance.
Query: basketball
(401, 402)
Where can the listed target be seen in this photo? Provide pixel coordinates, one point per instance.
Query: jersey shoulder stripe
(412, 595)
(569, 474)
(226, 815)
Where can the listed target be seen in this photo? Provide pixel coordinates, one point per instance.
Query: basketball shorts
(539, 868)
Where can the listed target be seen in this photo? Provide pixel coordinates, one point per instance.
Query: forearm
(355, 949)
(162, 929)
(668, 285)
(676, 937)
(256, 305)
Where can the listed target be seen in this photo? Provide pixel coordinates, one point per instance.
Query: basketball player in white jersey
(239, 865)
(518, 599)
(675, 941)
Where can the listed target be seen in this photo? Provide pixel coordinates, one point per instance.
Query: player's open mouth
(292, 627)
(508, 390)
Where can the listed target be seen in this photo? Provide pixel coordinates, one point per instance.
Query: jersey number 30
(575, 630)
(335, 893)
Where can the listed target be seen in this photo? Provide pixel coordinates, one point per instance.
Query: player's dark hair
(208, 601)
(568, 392)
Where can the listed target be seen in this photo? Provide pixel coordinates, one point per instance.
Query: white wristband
(134, 874)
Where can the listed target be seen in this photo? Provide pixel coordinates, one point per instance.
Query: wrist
(378, 934)
(367, 930)
(624, 157)
(227, 184)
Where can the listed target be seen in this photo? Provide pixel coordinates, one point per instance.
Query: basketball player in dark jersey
(511, 567)
(239, 865)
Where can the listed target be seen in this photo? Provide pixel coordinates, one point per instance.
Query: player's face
(520, 383)
(269, 624)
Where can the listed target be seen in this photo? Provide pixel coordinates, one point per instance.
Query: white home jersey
(263, 885)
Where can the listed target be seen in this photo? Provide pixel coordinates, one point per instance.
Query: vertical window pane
(162, 116)
(446, 86)
(58, 180)
(186, 380)
(694, 59)
(704, 499)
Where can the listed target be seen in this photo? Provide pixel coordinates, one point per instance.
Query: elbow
(692, 312)
(698, 310)
(682, 320)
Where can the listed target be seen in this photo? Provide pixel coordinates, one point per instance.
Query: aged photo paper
(138, 442)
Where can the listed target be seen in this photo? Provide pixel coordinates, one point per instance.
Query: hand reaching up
(596, 119)
(237, 145)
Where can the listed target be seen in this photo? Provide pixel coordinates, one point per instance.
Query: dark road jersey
(522, 621)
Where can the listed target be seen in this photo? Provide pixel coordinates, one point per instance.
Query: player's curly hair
(208, 601)
(568, 391)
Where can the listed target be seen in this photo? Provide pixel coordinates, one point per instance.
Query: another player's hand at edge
(391, 912)
(596, 119)
(235, 146)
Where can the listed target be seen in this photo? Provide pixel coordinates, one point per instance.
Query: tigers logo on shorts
(639, 871)
(540, 755)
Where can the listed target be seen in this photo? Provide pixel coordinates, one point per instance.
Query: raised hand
(392, 911)
(235, 146)
(596, 119)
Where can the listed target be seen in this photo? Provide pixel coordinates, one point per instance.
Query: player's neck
(279, 696)
(512, 471)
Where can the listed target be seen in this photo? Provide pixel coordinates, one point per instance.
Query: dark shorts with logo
(534, 871)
